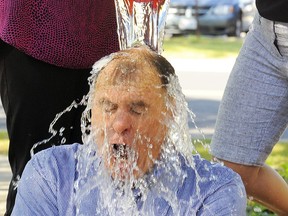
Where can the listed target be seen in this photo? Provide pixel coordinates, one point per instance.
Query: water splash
(55, 132)
(132, 196)
(108, 194)
(74, 105)
(141, 21)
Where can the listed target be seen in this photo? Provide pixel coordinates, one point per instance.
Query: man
(134, 160)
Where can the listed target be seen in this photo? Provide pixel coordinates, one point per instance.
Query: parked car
(229, 17)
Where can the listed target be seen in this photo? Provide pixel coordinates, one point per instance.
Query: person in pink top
(47, 49)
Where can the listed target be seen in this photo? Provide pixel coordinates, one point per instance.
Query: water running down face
(129, 115)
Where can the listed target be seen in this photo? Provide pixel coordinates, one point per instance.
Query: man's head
(129, 112)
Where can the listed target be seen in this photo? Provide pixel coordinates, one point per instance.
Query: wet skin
(128, 119)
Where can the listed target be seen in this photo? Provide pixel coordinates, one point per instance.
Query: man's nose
(122, 122)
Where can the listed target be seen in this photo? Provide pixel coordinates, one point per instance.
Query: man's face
(128, 120)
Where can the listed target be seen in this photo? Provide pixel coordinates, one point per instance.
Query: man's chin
(122, 170)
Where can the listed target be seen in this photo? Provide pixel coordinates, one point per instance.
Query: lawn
(202, 47)
(278, 159)
(3, 142)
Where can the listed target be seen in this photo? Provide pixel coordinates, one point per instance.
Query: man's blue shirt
(47, 187)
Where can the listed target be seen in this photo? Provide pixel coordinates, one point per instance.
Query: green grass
(279, 156)
(3, 142)
(201, 47)
(278, 159)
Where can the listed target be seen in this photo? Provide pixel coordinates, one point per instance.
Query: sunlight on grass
(203, 148)
(279, 156)
(4, 141)
(202, 47)
(278, 159)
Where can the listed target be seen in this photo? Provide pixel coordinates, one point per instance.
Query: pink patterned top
(66, 33)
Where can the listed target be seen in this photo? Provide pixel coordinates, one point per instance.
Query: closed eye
(108, 106)
(138, 108)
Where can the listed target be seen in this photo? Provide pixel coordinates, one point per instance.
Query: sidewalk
(5, 176)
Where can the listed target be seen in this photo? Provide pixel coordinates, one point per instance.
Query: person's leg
(253, 111)
(32, 93)
(253, 115)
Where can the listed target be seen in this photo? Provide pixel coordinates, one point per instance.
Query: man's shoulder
(47, 179)
(218, 186)
(60, 152)
(207, 181)
(55, 159)
(205, 167)
(215, 174)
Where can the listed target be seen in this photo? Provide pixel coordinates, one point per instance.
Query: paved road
(5, 176)
(203, 82)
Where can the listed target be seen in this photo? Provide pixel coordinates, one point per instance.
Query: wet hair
(161, 64)
(134, 58)
(163, 67)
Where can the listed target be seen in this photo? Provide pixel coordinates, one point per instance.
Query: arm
(265, 185)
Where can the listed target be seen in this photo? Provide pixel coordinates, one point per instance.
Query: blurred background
(214, 17)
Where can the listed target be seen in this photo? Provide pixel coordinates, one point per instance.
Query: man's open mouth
(120, 151)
